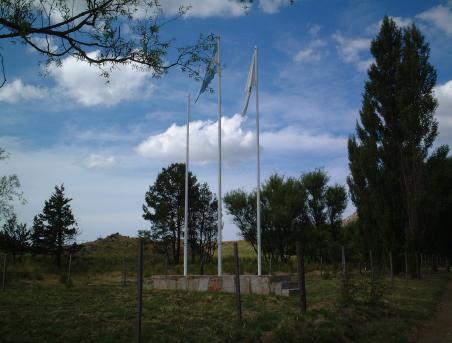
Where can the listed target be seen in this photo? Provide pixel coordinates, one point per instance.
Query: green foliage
(389, 151)
(165, 206)
(55, 227)
(14, 237)
(9, 191)
(292, 209)
(91, 32)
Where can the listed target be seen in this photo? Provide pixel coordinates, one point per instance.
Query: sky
(108, 142)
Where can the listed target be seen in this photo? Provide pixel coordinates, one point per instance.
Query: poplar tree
(396, 130)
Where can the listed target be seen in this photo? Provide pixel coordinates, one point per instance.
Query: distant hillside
(113, 245)
(119, 245)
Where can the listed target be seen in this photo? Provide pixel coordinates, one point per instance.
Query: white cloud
(444, 111)
(312, 53)
(314, 30)
(350, 49)
(95, 161)
(13, 92)
(440, 16)
(83, 83)
(170, 145)
(196, 8)
(293, 139)
(237, 142)
(400, 21)
(272, 6)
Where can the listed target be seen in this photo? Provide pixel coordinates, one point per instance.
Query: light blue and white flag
(250, 82)
(210, 72)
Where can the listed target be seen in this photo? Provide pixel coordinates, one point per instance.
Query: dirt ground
(439, 329)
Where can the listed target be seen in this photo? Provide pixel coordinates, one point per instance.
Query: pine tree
(392, 141)
(55, 227)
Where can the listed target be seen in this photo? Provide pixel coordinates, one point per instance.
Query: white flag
(250, 82)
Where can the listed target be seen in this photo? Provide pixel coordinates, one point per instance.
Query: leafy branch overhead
(105, 33)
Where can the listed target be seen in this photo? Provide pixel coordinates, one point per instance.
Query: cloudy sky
(107, 143)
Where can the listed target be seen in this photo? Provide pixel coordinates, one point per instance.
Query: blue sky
(108, 142)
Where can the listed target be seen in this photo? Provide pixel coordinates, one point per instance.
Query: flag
(210, 72)
(250, 82)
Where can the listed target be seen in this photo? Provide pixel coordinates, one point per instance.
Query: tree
(165, 206)
(315, 183)
(14, 237)
(203, 225)
(283, 206)
(392, 141)
(9, 191)
(291, 210)
(55, 227)
(104, 33)
(335, 202)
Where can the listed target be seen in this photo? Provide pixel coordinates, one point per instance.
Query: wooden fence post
(301, 276)
(371, 262)
(406, 265)
(321, 266)
(69, 269)
(237, 283)
(139, 289)
(124, 271)
(4, 273)
(344, 270)
(391, 267)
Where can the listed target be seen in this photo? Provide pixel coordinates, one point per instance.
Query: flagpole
(187, 147)
(220, 223)
(258, 176)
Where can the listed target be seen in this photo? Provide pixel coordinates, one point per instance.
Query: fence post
(237, 283)
(343, 261)
(418, 268)
(321, 266)
(69, 269)
(124, 271)
(391, 267)
(270, 268)
(139, 288)
(301, 276)
(406, 265)
(4, 272)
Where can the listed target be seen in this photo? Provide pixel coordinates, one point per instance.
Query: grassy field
(94, 310)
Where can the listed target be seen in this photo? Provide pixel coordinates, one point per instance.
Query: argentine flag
(210, 72)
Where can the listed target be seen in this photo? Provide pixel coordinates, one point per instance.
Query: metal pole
(258, 188)
(301, 277)
(220, 219)
(139, 288)
(186, 189)
(237, 283)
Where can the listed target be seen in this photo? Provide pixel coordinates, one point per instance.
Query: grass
(102, 310)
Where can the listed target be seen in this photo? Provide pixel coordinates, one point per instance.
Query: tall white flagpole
(258, 189)
(220, 219)
(187, 150)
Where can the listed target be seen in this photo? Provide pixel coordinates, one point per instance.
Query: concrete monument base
(249, 284)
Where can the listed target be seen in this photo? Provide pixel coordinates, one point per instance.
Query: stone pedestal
(249, 284)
